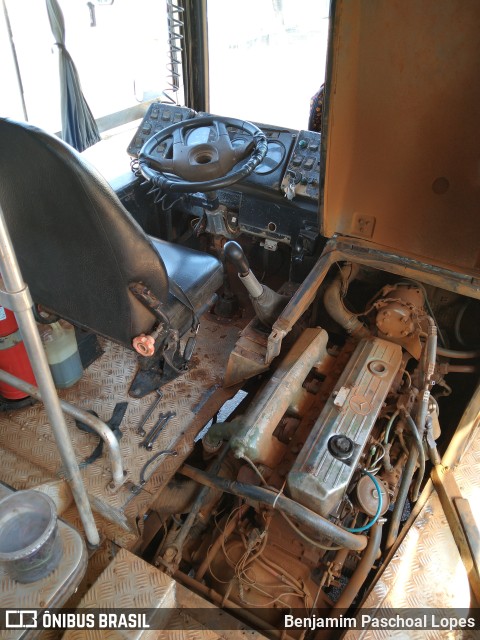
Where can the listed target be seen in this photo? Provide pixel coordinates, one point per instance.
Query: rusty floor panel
(144, 586)
(29, 454)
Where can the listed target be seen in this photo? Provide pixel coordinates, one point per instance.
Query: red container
(13, 356)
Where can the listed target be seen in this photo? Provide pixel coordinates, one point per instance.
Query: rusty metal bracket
(144, 295)
(365, 253)
(461, 522)
(301, 300)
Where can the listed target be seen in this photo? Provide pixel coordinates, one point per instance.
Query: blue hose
(379, 507)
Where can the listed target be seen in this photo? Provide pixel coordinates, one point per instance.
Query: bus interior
(278, 327)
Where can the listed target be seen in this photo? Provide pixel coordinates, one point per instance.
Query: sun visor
(402, 128)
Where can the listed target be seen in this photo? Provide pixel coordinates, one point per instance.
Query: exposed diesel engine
(306, 487)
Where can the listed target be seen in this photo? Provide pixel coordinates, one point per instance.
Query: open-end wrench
(155, 431)
(140, 430)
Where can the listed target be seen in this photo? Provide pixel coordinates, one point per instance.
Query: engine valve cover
(324, 467)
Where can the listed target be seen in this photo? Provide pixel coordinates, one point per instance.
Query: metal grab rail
(102, 429)
(17, 298)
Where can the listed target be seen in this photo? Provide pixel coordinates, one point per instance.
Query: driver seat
(79, 249)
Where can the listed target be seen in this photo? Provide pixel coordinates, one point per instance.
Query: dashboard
(281, 196)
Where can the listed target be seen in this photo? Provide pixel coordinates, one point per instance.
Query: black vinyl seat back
(77, 246)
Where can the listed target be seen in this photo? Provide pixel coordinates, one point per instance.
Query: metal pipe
(103, 430)
(363, 568)
(173, 553)
(339, 560)
(251, 284)
(422, 413)
(460, 368)
(332, 299)
(301, 300)
(458, 355)
(217, 434)
(432, 450)
(314, 522)
(431, 350)
(15, 286)
(407, 476)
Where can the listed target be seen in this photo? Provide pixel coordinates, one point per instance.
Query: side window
(119, 49)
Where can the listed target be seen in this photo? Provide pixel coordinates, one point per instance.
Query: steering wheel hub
(206, 166)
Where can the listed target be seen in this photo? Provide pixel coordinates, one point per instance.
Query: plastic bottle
(60, 345)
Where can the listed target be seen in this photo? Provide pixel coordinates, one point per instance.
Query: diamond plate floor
(427, 570)
(54, 589)
(129, 582)
(30, 457)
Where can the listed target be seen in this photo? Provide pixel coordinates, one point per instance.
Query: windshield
(267, 58)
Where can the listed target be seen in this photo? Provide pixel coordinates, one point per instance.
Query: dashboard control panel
(279, 198)
(290, 174)
(301, 177)
(158, 117)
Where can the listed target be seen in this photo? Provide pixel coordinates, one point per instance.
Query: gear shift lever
(267, 303)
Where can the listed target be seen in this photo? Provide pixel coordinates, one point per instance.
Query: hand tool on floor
(140, 428)
(136, 488)
(156, 429)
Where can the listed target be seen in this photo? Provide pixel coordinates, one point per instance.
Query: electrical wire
(374, 466)
(241, 566)
(244, 580)
(409, 378)
(379, 506)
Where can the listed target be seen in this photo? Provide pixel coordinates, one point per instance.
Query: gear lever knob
(234, 254)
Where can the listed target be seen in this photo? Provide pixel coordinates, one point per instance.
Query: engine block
(324, 467)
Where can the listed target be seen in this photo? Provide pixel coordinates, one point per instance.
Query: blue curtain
(79, 128)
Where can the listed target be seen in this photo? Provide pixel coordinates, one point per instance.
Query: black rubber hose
(407, 476)
(421, 454)
(314, 522)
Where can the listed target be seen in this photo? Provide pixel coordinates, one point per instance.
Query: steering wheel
(206, 166)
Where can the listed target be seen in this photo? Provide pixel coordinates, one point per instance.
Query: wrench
(155, 431)
(140, 430)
